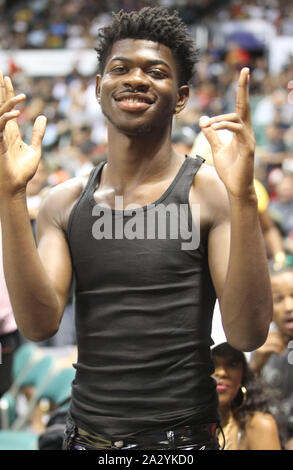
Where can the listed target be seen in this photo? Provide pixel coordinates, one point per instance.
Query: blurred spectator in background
(272, 235)
(281, 209)
(272, 360)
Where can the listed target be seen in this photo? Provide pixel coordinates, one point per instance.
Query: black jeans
(199, 437)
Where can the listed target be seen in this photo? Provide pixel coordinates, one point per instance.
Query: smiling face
(228, 375)
(139, 90)
(282, 288)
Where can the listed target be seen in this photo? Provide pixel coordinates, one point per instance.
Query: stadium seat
(18, 440)
(35, 372)
(56, 389)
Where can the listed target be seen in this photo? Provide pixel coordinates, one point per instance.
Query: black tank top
(143, 313)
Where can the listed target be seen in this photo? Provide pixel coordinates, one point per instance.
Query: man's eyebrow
(148, 62)
(122, 59)
(158, 62)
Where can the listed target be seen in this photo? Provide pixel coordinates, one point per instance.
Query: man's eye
(157, 73)
(118, 69)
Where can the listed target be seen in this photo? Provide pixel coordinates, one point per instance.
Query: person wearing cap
(246, 419)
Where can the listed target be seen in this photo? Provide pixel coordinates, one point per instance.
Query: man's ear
(98, 86)
(183, 95)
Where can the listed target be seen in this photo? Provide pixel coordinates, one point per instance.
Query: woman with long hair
(246, 409)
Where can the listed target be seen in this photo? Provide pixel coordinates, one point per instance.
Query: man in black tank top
(151, 239)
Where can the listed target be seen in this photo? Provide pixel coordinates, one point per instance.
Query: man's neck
(134, 160)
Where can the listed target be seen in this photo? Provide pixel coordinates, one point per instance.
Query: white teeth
(134, 100)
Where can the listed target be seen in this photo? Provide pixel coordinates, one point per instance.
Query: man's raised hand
(18, 161)
(234, 160)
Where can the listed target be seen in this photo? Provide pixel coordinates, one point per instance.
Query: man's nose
(137, 80)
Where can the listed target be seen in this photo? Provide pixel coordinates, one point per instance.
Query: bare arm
(238, 267)
(237, 256)
(38, 280)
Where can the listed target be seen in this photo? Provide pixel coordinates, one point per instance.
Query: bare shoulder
(59, 201)
(263, 422)
(262, 432)
(210, 192)
(65, 190)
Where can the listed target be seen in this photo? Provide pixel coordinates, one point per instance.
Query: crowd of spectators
(74, 24)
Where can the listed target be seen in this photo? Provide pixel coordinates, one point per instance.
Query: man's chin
(132, 128)
(135, 130)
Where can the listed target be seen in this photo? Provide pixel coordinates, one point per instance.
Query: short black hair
(157, 24)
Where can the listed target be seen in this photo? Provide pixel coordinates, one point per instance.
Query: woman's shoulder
(262, 432)
(260, 420)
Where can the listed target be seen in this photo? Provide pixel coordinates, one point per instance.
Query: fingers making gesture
(234, 160)
(18, 161)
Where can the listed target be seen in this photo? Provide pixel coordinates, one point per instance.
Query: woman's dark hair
(154, 24)
(258, 397)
